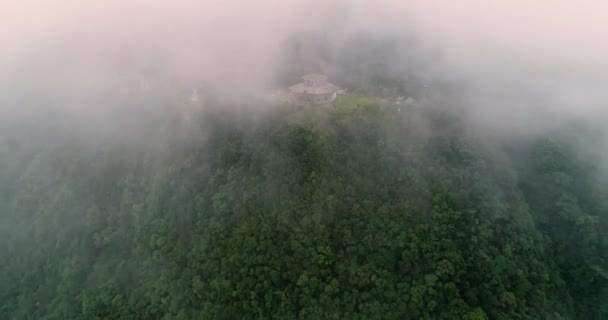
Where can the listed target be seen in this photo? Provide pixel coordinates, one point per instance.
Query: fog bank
(510, 57)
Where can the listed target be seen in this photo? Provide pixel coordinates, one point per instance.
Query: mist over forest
(154, 164)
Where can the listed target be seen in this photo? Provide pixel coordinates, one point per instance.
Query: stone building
(314, 89)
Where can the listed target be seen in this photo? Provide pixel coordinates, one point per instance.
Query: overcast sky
(553, 48)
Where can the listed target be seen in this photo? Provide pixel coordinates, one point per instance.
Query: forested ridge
(358, 211)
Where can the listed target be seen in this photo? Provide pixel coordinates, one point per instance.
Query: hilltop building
(314, 89)
(195, 97)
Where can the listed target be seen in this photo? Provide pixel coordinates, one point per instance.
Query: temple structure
(195, 97)
(314, 89)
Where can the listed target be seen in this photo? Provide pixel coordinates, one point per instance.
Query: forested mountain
(358, 211)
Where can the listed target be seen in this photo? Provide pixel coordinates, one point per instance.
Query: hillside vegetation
(359, 211)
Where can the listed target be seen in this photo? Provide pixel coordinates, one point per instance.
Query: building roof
(314, 77)
(326, 88)
(323, 87)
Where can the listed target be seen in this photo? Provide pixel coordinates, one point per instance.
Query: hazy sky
(556, 28)
(552, 47)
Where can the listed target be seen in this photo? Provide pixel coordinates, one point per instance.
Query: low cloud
(510, 57)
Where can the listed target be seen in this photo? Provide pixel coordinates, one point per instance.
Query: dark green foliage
(568, 199)
(352, 212)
